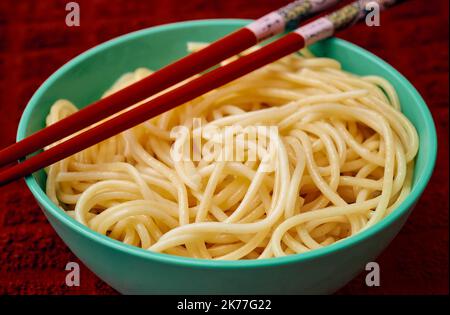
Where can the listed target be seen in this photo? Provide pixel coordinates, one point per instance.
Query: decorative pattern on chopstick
(339, 20)
(287, 18)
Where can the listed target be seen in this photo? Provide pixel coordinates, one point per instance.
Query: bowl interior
(85, 78)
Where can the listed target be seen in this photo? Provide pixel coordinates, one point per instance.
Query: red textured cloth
(34, 42)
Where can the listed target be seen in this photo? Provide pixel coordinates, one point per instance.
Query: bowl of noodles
(288, 180)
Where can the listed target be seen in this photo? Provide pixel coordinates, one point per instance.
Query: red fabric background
(34, 42)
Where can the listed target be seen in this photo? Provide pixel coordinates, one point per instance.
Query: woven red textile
(34, 42)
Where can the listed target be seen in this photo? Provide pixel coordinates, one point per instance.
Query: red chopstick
(308, 34)
(269, 25)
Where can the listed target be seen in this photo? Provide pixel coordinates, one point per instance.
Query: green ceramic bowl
(133, 270)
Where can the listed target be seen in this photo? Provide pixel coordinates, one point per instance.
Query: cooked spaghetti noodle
(340, 161)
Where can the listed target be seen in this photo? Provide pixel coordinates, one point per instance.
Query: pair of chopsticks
(267, 26)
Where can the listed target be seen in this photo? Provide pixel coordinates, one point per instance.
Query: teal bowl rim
(72, 224)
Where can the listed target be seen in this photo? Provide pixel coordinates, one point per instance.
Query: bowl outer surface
(135, 271)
